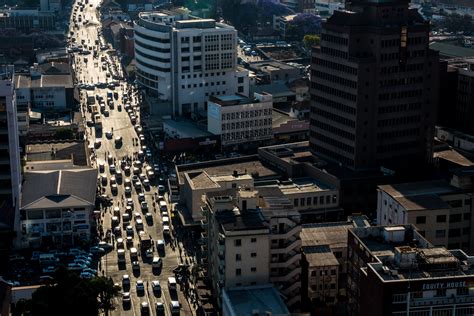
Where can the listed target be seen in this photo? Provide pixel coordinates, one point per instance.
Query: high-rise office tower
(184, 61)
(10, 168)
(374, 87)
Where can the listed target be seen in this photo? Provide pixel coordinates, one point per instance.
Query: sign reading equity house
(444, 285)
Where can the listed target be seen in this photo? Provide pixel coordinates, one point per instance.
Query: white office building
(240, 120)
(184, 60)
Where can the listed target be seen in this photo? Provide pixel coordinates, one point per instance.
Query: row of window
(335, 79)
(40, 96)
(400, 95)
(206, 84)
(453, 218)
(399, 121)
(162, 69)
(399, 133)
(336, 143)
(329, 153)
(238, 256)
(146, 75)
(401, 68)
(334, 39)
(399, 108)
(152, 38)
(400, 82)
(139, 43)
(246, 124)
(315, 201)
(334, 52)
(333, 104)
(230, 136)
(158, 59)
(246, 114)
(332, 129)
(334, 66)
(333, 117)
(397, 147)
(211, 74)
(335, 92)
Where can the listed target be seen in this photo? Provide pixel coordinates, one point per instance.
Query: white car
(157, 262)
(140, 286)
(155, 285)
(109, 134)
(125, 279)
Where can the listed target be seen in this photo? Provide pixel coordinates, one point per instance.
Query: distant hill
(465, 3)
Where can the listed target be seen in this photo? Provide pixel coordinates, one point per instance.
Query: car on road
(166, 230)
(141, 197)
(114, 189)
(175, 307)
(118, 140)
(143, 205)
(155, 286)
(160, 245)
(97, 143)
(160, 308)
(157, 262)
(104, 245)
(140, 286)
(135, 266)
(97, 250)
(149, 253)
(161, 189)
(129, 230)
(148, 217)
(128, 191)
(109, 134)
(101, 167)
(126, 300)
(86, 275)
(103, 180)
(144, 308)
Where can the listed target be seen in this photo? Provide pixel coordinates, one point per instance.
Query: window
(253, 240)
(440, 233)
(313, 273)
(454, 232)
(253, 254)
(455, 218)
(238, 242)
(238, 257)
(308, 201)
(467, 216)
(421, 219)
(295, 202)
(333, 272)
(466, 230)
(240, 89)
(240, 80)
(440, 292)
(462, 291)
(238, 271)
(417, 294)
(302, 201)
(253, 269)
(441, 219)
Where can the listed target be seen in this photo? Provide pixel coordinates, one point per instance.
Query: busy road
(135, 223)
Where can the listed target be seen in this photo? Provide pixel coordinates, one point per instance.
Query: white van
(172, 284)
(166, 220)
(163, 206)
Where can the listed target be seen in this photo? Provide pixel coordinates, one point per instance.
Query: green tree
(64, 133)
(311, 40)
(106, 291)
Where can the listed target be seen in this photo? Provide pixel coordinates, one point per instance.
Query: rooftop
(246, 301)
(333, 235)
(270, 65)
(420, 195)
(201, 180)
(450, 50)
(43, 81)
(64, 150)
(320, 256)
(184, 129)
(235, 220)
(56, 188)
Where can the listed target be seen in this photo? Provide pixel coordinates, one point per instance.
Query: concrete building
(252, 238)
(45, 90)
(374, 87)
(253, 300)
(464, 109)
(240, 120)
(27, 20)
(326, 8)
(184, 60)
(393, 270)
(57, 204)
(441, 211)
(324, 260)
(273, 71)
(10, 168)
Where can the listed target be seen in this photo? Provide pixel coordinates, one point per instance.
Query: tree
(303, 24)
(311, 40)
(106, 291)
(64, 133)
(458, 23)
(267, 9)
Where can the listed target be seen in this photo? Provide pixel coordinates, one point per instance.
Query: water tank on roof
(394, 234)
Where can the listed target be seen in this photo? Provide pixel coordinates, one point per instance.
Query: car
(112, 168)
(125, 280)
(89, 270)
(138, 186)
(143, 205)
(148, 216)
(149, 253)
(97, 143)
(146, 183)
(104, 245)
(50, 269)
(135, 266)
(128, 190)
(157, 262)
(109, 134)
(114, 188)
(155, 286)
(175, 307)
(126, 300)
(118, 140)
(161, 189)
(160, 308)
(144, 308)
(142, 176)
(135, 178)
(140, 286)
(130, 202)
(166, 230)
(101, 167)
(97, 250)
(103, 180)
(129, 230)
(83, 257)
(129, 241)
(160, 244)
(86, 275)
(83, 262)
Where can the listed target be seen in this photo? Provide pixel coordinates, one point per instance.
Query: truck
(145, 241)
(98, 121)
(90, 98)
(95, 109)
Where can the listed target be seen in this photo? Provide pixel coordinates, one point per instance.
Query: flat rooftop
(320, 256)
(201, 180)
(244, 301)
(235, 220)
(333, 235)
(303, 185)
(229, 100)
(57, 151)
(185, 129)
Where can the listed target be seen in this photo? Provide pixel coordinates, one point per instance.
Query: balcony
(292, 301)
(285, 264)
(294, 244)
(293, 231)
(294, 288)
(204, 224)
(221, 255)
(287, 277)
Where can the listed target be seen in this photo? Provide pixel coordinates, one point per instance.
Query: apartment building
(184, 61)
(240, 120)
(57, 202)
(324, 260)
(250, 239)
(393, 270)
(10, 168)
(441, 211)
(464, 109)
(374, 87)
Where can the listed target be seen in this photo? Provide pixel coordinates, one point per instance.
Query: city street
(111, 155)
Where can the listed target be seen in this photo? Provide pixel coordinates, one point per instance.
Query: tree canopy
(304, 24)
(71, 295)
(458, 23)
